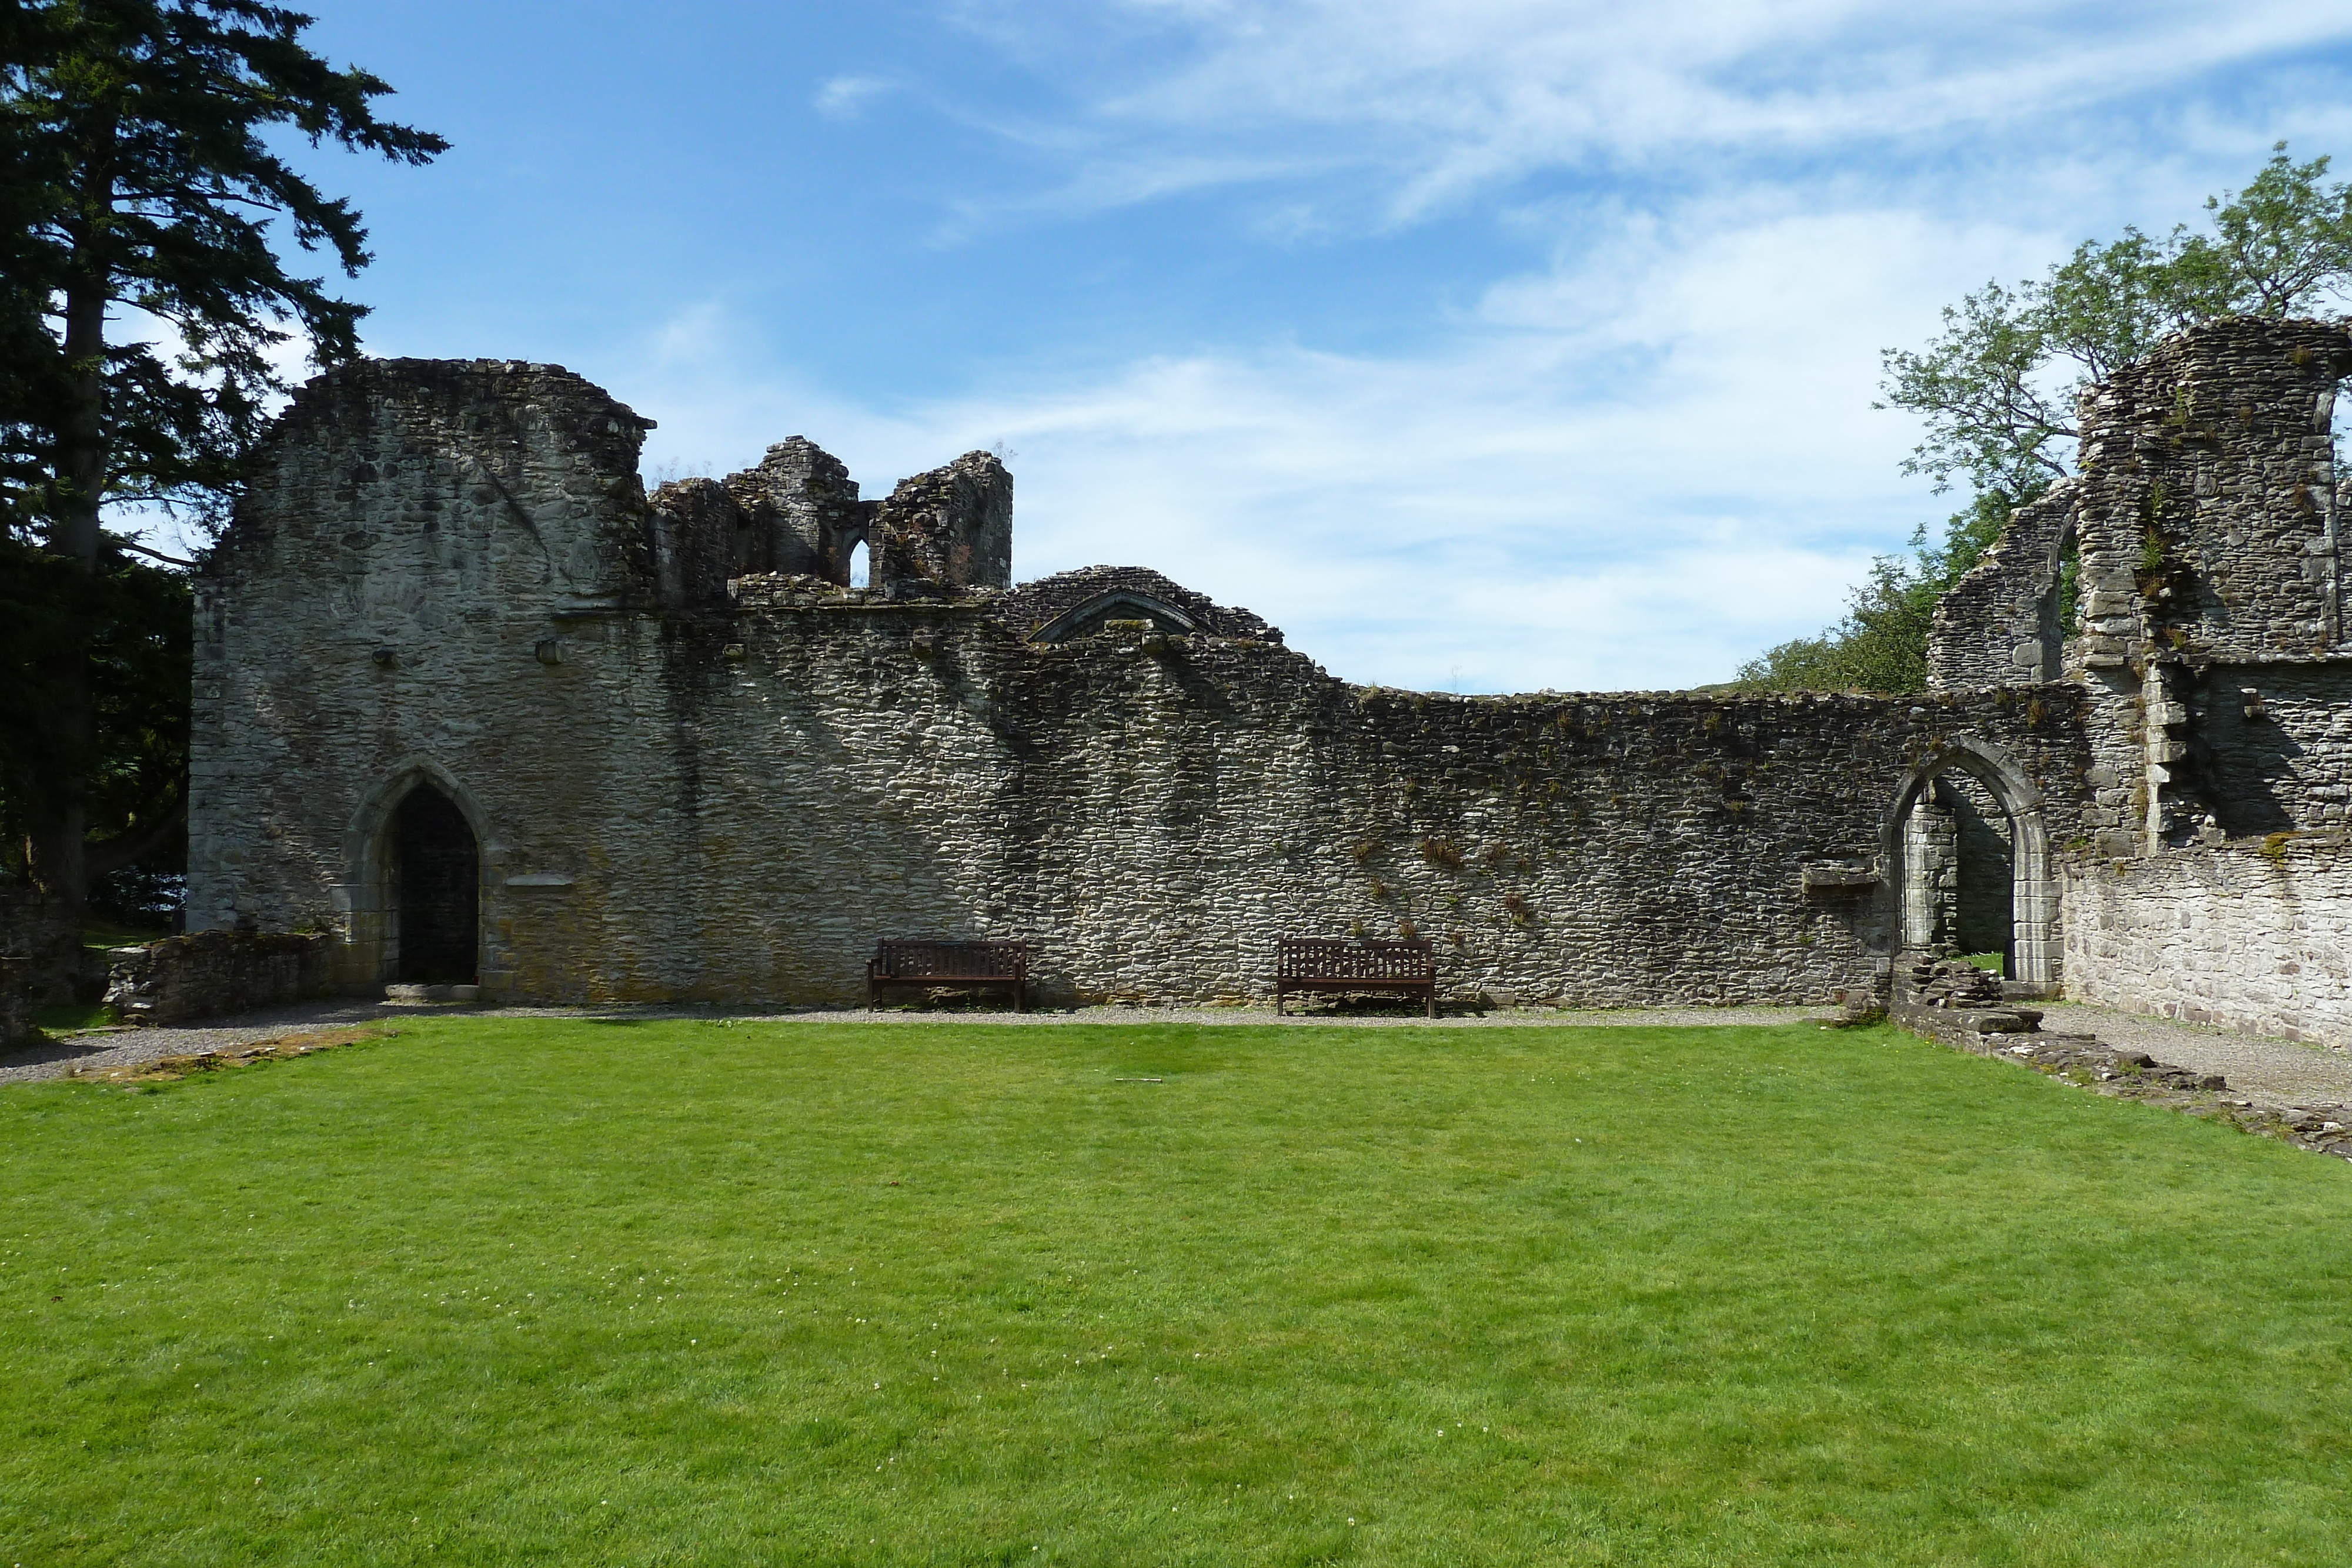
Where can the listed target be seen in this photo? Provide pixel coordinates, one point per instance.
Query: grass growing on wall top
(513, 1291)
(65, 1016)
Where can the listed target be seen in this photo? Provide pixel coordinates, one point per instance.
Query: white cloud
(845, 97)
(1397, 110)
(1631, 466)
(1635, 468)
(1449, 98)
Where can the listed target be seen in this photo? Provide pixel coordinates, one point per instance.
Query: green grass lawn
(513, 1291)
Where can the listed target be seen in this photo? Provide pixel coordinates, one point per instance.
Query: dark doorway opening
(438, 869)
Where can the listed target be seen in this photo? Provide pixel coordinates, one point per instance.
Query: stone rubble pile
(2104, 1063)
(1970, 998)
(1948, 983)
(2326, 1129)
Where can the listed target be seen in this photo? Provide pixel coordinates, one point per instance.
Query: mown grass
(516, 1291)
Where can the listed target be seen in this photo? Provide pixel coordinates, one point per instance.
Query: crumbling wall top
(2207, 496)
(1063, 599)
(951, 526)
(477, 398)
(1999, 626)
(434, 489)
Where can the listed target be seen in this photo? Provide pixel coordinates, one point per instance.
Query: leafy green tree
(1881, 645)
(146, 295)
(1998, 388)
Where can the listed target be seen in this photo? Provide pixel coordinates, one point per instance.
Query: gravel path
(2270, 1071)
(97, 1053)
(2276, 1073)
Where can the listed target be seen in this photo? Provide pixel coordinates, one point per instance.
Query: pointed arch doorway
(417, 849)
(1972, 863)
(436, 887)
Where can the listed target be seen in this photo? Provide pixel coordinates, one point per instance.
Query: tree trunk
(61, 821)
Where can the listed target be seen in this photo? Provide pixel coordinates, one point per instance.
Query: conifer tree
(146, 287)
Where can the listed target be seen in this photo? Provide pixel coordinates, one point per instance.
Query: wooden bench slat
(939, 961)
(1356, 963)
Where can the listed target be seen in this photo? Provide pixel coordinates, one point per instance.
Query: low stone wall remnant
(209, 973)
(1960, 1006)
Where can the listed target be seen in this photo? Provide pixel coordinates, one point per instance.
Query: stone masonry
(696, 765)
(2211, 652)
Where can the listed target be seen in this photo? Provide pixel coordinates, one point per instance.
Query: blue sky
(1486, 346)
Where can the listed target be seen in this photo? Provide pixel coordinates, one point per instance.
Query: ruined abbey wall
(2211, 650)
(699, 766)
(690, 793)
(2252, 935)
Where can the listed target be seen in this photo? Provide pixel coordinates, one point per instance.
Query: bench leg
(1433, 1001)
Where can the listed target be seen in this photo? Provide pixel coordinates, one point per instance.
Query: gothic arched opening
(1962, 870)
(437, 877)
(1973, 877)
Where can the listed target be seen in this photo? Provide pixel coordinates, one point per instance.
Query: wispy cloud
(1432, 104)
(845, 97)
(1634, 468)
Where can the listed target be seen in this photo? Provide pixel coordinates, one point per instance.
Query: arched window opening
(2339, 421)
(2066, 607)
(857, 566)
(1086, 618)
(436, 874)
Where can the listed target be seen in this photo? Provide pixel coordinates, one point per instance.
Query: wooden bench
(923, 961)
(1355, 964)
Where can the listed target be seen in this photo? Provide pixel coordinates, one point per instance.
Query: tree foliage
(1997, 389)
(133, 620)
(146, 300)
(1881, 645)
(142, 192)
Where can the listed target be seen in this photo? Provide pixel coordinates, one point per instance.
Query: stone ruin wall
(2214, 635)
(2207, 512)
(687, 790)
(2255, 936)
(701, 767)
(1999, 626)
(1155, 817)
(2212, 650)
(415, 529)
